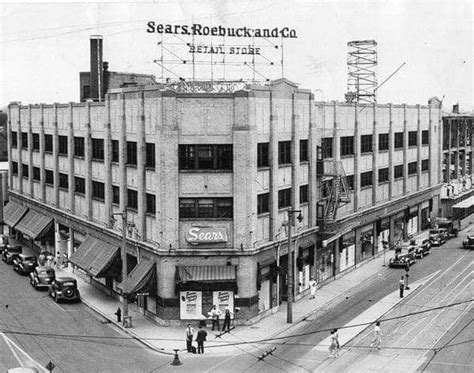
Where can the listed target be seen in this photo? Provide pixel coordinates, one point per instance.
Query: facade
(207, 180)
(457, 163)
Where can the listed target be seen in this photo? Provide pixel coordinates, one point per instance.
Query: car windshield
(434, 231)
(68, 283)
(45, 271)
(30, 258)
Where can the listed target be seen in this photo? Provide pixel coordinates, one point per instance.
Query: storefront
(399, 227)
(347, 251)
(265, 286)
(383, 233)
(412, 221)
(304, 262)
(325, 262)
(367, 241)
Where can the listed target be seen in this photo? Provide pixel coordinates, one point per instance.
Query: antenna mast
(362, 78)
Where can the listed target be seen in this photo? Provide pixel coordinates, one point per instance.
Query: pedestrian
(200, 338)
(189, 337)
(402, 286)
(377, 336)
(227, 315)
(334, 345)
(312, 289)
(215, 314)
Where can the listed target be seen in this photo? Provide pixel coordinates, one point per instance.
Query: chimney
(456, 108)
(96, 75)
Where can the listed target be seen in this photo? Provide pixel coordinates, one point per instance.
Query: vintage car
(45, 258)
(449, 225)
(422, 248)
(10, 252)
(3, 242)
(42, 277)
(438, 236)
(23, 263)
(64, 288)
(468, 242)
(404, 256)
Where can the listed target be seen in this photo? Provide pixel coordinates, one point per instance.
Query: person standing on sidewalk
(227, 315)
(377, 336)
(200, 338)
(402, 286)
(215, 314)
(312, 289)
(334, 345)
(189, 337)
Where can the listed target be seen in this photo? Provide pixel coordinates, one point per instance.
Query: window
(98, 149)
(425, 165)
(383, 175)
(262, 155)
(132, 199)
(398, 140)
(347, 145)
(366, 144)
(365, 179)
(115, 194)
(284, 198)
(203, 208)
(412, 168)
(131, 153)
(150, 204)
(48, 143)
(63, 181)
(25, 169)
(49, 177)
(262, 203)
(425, 139)
(79, 146)
(115, 151)
(79, 185)
(327, 147)
(14, 168)
(304, 194)
(412, 138)
(205, 157)
(36, 142)
(14, 139)
(62, 145)
(398, 171)
(24, 140)
(36, 174)
(304, 151)
(98, 190)
(383, 141)
(284, 152)
(150, 155)
(350, 181)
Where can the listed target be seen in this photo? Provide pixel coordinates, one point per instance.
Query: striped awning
(207, 273)
(34, 225)
(94, 256)
(141, 277)
(13, 212)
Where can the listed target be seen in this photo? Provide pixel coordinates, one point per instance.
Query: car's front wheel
(56, 299)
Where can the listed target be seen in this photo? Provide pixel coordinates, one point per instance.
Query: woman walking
(377, 336)
(334, 346)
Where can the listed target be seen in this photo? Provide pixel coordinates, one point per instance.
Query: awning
(34, 224)
(13, 212)
(207, 273)
(141, 277)
(94, 256)
(464, 204)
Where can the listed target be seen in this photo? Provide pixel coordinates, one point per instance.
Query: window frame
(62, 145)
(150, 155)
(49, 177)
(150, 206)
(398, 142)
(24, 144)
(304, 150)
(35, 142)
(366, 144)
(79, 147)
(98, 190)
(284, 153)
(132, 153)
(14, 135)
(48, 143)
(191, 158)
(425, 137)
(263, 159)
(412, 168)
(384, 141)
(79, 185)
(347, 146)
(63, 181)
(263, 203)
(366, 179)
(328, 147)
(132, 199)
(25, 170)
(115, 151)
(304, 193)
(383, 175)
(36, 174)
(396, 170)
(425, 165)
(115, 195)
(212, 212)
(284, 198)
(98, 150)
(412, 138)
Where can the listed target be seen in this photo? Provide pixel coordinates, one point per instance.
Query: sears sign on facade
(199, 235)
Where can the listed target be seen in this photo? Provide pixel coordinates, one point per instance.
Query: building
(457, 190)
(207, 180)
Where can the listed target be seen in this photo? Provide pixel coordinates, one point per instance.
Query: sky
(43, 46)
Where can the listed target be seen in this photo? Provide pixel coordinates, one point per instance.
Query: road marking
(455, 364)
(10, 343)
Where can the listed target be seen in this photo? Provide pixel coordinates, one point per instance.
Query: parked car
(468, 242)
(3, 242)
(42, 277)
(64, 288)
(11, 251)
(404, 256)
(438, 236)
(422, 248)
(45, 258)
(449, 225)
(23, 263)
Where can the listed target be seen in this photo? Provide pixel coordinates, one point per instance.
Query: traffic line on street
(27, 360)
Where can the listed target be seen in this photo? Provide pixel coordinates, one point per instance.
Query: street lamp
(289, 313)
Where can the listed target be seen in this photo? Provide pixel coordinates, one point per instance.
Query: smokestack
(97, 75)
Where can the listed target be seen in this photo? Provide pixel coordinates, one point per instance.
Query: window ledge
(366, 187)
(263, 168)
(347, 156)
(97, 160)
(220, 171)
(366, 153)
(205, 219)
(304, 162)
(285, 165)
(81, 157)
(383, 182)
(383, 150)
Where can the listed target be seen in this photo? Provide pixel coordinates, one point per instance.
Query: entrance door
(264, 296)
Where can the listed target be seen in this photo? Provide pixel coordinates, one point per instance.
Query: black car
(42, 277)
(64, 288)
(404, 256)
(468, 242)
(23, 263)
(10, 252)
(4, 240)
(422, 248)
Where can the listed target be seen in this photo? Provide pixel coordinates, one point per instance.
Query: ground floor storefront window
(383, 234)
(325, 262)
(412, 221)
(347, 251)
(367, 241)
(398, 227)
(196, 305)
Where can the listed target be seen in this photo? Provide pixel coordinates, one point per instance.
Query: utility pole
(289, 312)
(123, 254)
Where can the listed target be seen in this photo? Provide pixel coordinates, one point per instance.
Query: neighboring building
(3, 137)
(3, 164)
(207, 180)
(457, 190)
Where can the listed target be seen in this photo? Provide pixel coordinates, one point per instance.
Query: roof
(13, 212)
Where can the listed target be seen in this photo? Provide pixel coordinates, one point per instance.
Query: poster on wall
(224, 299)
(190, 305)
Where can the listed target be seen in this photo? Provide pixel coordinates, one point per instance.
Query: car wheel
(35, 285)
(56, 299)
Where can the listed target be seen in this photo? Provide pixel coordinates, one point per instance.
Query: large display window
(347, 251)
(367, 241)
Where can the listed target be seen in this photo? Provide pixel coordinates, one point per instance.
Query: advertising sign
(190, 305)
(224, 299)
(200, 235)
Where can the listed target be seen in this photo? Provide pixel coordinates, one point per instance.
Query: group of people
(201, 335)
(334, 345)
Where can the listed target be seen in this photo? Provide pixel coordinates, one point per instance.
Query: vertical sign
(224, 299)
(190, 305)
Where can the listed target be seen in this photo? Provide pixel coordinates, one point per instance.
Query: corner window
(366, 144)
(205, 157)
(205, 208)
(412, 138)
(347, 145)
(284, 152)
(398, 171)
(383, 141)
(366, 179)
(304, 157)
(131, 153)
(98, 150)
(262, 155)
(284, 198)
(132, 199)
(150, 155)
(398, 140)
(79, 146)
(262, 203)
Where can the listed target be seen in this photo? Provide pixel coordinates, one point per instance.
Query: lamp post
(123, 254)
(289, 312)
